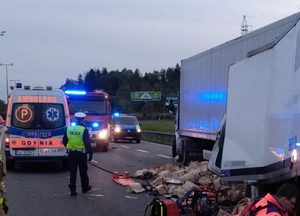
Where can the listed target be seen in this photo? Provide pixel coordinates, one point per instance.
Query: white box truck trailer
(204, 86)
(260, 139)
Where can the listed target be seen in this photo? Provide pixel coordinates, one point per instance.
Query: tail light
(7, 139)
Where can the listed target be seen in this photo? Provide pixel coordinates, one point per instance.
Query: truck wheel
(104, 148)
(114, 140)
(10, 164)
(99, 147)
(174, 153)
(138, 141)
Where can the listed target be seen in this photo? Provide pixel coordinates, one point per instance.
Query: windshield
(38, 116)
(88, 107)
(127, 120)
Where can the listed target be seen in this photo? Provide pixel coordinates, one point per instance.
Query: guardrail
(158, 137)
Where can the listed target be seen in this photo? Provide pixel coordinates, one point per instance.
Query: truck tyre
(114, 140)
(174, 153)
(98, 147)
(104, 148)
(138, 141)
(10, 164)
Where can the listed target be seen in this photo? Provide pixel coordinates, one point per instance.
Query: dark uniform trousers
(78, 158)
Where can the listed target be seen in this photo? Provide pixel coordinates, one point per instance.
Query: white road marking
(164, 156)
(124, 146)
(140, 150)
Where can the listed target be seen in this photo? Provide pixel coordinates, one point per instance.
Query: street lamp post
(11, 64)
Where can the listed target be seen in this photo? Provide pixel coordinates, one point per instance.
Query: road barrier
(158, 137)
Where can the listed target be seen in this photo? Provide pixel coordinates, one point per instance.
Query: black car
(125, 127)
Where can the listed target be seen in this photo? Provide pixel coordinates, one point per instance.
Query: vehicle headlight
(102, 134)
(117, 128)
(138, 129)
(95, 124)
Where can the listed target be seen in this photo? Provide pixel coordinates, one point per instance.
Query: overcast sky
(51, 40)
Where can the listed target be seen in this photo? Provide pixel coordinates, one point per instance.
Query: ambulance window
(53, 116)
(38, 116)
(23, 115)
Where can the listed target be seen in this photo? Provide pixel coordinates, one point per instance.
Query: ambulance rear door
(23, 130)
(37, 125)
(51, 125)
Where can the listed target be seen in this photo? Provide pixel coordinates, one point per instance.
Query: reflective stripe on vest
(75, 136)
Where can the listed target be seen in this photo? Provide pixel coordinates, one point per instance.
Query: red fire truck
(97, 108)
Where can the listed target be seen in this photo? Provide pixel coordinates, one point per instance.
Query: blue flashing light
(73, 123)
(95, 124)
(213, 97)
(75, 92)
(116, 114)
(18, 85)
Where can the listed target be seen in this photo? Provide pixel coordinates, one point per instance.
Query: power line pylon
(245, 28)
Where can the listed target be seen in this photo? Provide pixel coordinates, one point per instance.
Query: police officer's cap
(80, 115)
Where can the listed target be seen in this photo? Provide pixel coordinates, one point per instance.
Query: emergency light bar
(95, 124)
(74, 92)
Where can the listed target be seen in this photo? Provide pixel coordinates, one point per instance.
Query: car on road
(125, 127)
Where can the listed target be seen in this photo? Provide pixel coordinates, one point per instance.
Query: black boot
(72, 190)
(86, 189)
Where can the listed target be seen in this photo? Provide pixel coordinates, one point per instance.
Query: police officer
(77, 141)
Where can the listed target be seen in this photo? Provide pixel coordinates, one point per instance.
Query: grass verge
(159, 126)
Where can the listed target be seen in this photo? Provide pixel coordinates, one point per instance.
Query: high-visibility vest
(75, 137)
(3, 195)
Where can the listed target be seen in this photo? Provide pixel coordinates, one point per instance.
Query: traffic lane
(131, 157)
(39, 189)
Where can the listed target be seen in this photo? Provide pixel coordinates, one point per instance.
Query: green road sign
(145, 96)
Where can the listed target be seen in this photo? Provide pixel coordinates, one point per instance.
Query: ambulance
(36, 121)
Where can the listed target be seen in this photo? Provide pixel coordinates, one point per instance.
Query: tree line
(120, 84)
